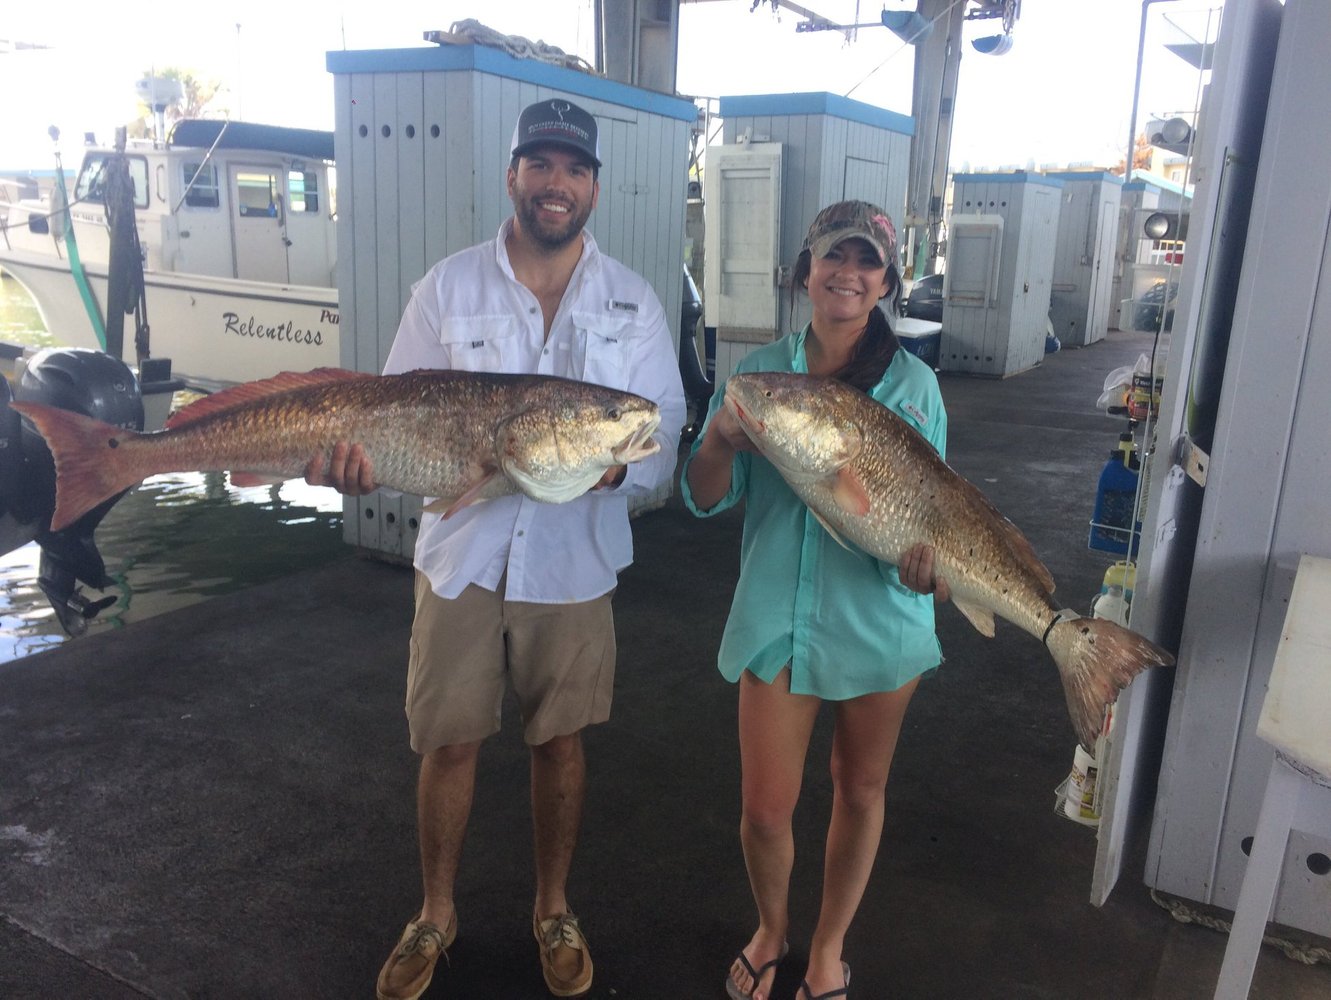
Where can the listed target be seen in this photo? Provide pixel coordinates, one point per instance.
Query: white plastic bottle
(1111, 605)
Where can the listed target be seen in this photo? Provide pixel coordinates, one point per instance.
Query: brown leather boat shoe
(409, 968)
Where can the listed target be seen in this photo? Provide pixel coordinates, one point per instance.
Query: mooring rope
(517, 46)
(1308, 954)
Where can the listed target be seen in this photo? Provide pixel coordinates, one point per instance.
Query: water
(20, 320)
(174, 541)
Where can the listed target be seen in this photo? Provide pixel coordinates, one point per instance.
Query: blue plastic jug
(1112, 524)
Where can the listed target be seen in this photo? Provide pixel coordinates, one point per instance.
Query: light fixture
(1166, 226)
(911, 27)
(993, 45)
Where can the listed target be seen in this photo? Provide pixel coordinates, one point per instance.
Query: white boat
(237, 228)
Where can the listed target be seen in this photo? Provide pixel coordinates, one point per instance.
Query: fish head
(562, 443)
(799, 423)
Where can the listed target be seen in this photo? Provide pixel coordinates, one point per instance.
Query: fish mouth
(746, 419)
(637, 445)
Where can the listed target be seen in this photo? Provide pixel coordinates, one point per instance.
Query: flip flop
(732, 988)
(842, 992)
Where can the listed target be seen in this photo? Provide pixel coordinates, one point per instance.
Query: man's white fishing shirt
(470, 313)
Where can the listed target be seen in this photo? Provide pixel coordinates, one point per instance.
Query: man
(511, 590)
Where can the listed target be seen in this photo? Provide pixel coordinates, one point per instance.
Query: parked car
(698, 388)
(1146, 314)
(926, 299)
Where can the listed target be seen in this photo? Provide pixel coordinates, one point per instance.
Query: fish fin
(1024, 551)
(90, 462)
(248, 392)
(471, 496)
(1096, 659)
(243, 480)
(849, 493)
(831, 530)
(1017, 543)
(981, 617)
(550, 491)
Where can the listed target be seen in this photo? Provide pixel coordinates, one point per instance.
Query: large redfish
(461, 437)
(871, 478)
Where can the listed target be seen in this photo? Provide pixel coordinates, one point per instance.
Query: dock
(219, 802)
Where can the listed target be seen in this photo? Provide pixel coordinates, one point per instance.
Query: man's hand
(612, 478)
(349, 471)
(917, 573)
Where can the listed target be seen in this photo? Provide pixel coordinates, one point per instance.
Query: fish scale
(461, 437)
(873, 480)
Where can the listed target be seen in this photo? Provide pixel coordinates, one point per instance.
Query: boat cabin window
(91, 185)
(256, 194)
(203, 192)
(303, 188)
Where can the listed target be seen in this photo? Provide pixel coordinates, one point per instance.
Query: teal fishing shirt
(841, 618)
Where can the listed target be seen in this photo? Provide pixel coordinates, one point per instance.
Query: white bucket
(1079, 789)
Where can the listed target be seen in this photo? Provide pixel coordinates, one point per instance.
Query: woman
(812, 621)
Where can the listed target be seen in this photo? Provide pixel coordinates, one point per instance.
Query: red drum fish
(461, 437)
(872, 479)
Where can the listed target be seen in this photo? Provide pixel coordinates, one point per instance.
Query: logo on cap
(559, 122)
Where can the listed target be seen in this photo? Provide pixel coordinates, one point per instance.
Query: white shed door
(743, 191)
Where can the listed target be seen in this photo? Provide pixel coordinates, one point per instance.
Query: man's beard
(551, 237)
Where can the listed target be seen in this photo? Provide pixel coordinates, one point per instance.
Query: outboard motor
(97, 385)
(15, 528)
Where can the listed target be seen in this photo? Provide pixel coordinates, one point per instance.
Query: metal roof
(203, 132)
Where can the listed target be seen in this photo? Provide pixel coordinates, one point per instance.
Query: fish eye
(614, 412)
(767, 393)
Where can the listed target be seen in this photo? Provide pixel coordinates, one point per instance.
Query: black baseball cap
(556, 122)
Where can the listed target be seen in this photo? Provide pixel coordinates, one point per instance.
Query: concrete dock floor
(219, 802)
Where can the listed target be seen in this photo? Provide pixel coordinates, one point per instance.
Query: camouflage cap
(852, 220)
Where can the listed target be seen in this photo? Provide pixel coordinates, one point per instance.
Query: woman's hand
(349, 471)
(726, 426)
(710, 467)
(917, 573)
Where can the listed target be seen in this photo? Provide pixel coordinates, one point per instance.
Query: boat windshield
(91, 185)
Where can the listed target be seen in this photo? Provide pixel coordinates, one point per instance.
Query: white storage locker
(1000, 263)
(1084, 256)
(831, 148)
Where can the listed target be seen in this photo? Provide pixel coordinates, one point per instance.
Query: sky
(1062, 95)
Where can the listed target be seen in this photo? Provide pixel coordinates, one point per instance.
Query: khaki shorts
(560, 659)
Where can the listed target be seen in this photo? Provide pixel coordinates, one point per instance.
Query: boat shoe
(565, 958)
(409, 969)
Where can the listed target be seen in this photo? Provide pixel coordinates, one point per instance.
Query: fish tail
(90, 461)
(1096, 659)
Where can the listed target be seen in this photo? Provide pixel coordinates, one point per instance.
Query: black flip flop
(732, 989)
(842, 992)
